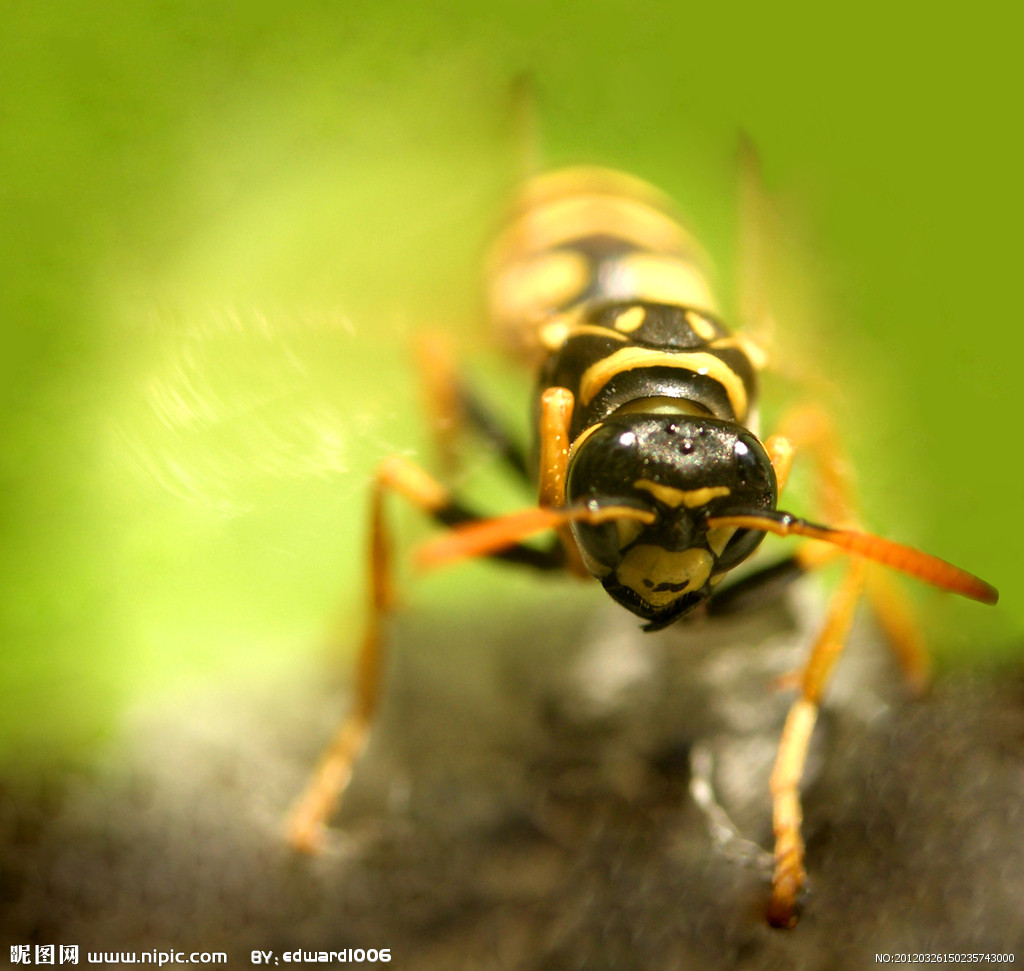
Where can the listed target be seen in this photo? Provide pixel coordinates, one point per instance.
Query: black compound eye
(602, 545)
(603, 470)
(605, 465)
(683, 468)
(598, 546)
(637, 456)
(739, 547)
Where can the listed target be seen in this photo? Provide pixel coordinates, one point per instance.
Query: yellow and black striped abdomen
(647, 356)
(584, 236)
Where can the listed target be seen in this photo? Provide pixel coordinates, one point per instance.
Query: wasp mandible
(650, 466)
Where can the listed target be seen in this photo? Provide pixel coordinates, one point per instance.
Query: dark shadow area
(528, 802)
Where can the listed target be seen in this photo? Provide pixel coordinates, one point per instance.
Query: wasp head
(684, 469)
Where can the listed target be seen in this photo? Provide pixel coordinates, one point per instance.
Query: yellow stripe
(554, 335)
(695, 498)
(702, 327)
(590, 180)
(661, 278)
(740, 342)
(697, 362)
(669, 495)
(538, 285)
(566, 220)
(630, 320)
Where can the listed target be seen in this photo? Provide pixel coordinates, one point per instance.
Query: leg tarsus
(895, 614)
(787, 814)
(310, 812)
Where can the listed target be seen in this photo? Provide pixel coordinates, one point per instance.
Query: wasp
(649, 463)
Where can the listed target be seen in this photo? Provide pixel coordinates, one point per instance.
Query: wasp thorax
(683, 468)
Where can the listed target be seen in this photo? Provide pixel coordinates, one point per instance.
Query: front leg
(310, 812)
(787, 815)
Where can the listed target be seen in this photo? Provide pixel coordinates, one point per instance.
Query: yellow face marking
(697, 362)
(663, 279)
(644, 568)
(695, 498)
(718, 539)
(553, 336)
(627, 530)
(670, 496)
(630, 320)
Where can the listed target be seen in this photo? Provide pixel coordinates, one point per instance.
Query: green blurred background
(221, 224)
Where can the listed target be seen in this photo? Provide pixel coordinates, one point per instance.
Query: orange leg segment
(787, 814)
(310, 812)
(810, 429)
(435, 360)
(556, 407)
(306, 821)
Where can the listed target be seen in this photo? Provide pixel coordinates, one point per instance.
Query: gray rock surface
(548, 789)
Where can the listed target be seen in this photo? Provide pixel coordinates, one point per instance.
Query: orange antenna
(905, 559)
(490, 535)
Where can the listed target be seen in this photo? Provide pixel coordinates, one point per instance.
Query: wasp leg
(312, 809)
(895, 615)
(309, 813)
(787, 815)
(452, 404)
(435, 361)
(768, 582)
(810, 429)
(332, 774)
(499, 537)
(556, 407)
